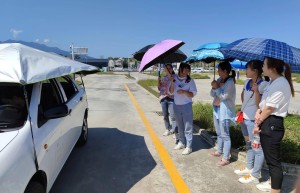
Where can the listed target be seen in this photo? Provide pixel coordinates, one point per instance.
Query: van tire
(35, 187)
(84, 133)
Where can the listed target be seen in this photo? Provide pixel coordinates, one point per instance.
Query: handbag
(239, 117)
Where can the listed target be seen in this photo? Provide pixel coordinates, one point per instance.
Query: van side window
(50, 97)
(68, 86)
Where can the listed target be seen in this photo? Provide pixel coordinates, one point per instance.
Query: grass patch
(148, 85)
(101, 73)
(240, 82)
(200, 76)
(296, 77)
(129, 77)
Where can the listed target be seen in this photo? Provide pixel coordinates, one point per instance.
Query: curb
(288, 169)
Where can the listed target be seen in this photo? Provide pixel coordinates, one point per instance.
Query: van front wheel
(84, 133)
(35, 187)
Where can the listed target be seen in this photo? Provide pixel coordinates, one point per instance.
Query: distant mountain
(43, 47)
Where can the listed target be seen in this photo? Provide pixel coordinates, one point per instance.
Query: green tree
(125, 63)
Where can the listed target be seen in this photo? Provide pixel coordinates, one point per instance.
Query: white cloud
(37, 40)
(46, 41)
(15, 32)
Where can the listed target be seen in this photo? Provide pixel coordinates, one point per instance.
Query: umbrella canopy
(207, 53)
(212, 46)
(159, 52)
(25, 65)
(176, 56)
(258, 48)
(139, 54)
(206, 56)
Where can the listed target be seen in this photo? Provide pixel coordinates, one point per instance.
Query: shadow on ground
(111, 161)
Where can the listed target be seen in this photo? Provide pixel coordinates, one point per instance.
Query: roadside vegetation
(203, 118)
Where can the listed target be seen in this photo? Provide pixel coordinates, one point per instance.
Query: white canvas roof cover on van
(23, 64)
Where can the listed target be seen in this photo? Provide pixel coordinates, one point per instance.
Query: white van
(42, 117)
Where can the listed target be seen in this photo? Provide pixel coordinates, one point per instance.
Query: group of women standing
(265, 104)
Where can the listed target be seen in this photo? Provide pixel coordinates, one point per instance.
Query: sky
(118, 28)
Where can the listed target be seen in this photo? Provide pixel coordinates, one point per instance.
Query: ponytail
(233, 75)
(288, 76)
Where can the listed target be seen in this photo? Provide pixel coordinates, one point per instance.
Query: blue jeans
(184, 119)
(255, 158)
(222, 129)
(168, 110)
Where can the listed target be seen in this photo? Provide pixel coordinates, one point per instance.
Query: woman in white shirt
(269, 117)
(184, 89)
(251, 96)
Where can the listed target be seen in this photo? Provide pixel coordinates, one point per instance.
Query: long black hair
(257, 65)
(281, 67)
(227, 66)
(181, 67)
(170, 66)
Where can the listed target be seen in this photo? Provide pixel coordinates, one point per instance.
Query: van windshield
(13, 111)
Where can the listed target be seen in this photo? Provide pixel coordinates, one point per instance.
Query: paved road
(121, 157)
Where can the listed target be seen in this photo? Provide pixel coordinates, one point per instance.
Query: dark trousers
(272, 132)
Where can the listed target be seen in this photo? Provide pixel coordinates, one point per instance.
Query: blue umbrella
(212, 46)
(258, 48)
(237, 64)
(207, 53)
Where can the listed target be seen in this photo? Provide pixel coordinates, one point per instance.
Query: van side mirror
(56, 112)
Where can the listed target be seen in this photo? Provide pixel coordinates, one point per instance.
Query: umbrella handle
(159, 68)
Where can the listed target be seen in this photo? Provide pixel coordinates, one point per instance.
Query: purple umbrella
(158, 52)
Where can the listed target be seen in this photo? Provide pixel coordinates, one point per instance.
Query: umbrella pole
(159, 68)
(214, 70)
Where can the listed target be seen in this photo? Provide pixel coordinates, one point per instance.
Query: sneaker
(167, 133)
(179, 146)
(187, 151)
(176, 141)
(243, 171)
(248, 178)
(264, 186)
(223, 162)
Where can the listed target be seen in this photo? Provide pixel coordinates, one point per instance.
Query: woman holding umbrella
(224, 93)
(184, 89)
(269, 118)
(167, 100)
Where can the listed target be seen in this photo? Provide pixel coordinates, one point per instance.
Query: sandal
(223, 162)
(216, 154)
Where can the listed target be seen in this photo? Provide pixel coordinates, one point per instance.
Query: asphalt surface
(121, 157)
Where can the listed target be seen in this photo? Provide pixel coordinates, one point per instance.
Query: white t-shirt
(182, 99)
(249, 107)
(277, 95)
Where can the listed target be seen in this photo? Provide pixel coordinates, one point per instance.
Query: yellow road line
(162, 152)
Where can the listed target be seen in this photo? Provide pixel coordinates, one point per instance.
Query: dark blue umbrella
(248, 49)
